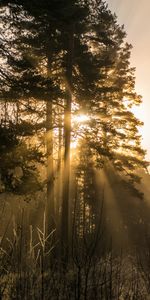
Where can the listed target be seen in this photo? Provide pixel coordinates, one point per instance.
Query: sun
(80, 121)
(80, 118)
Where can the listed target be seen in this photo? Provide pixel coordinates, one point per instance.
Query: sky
(135, 15)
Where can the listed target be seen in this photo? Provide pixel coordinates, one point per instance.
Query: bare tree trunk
(59, 166)
(67, 140)
(50, 209)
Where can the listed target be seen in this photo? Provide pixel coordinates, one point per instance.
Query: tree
(73, 53)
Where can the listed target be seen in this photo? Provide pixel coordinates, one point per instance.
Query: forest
(74, 178)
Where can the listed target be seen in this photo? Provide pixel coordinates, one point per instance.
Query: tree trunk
(59, 167)
(50, 209)
(67, 140)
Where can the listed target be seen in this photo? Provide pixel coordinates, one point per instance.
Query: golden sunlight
(80, 121)
(80, 118)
